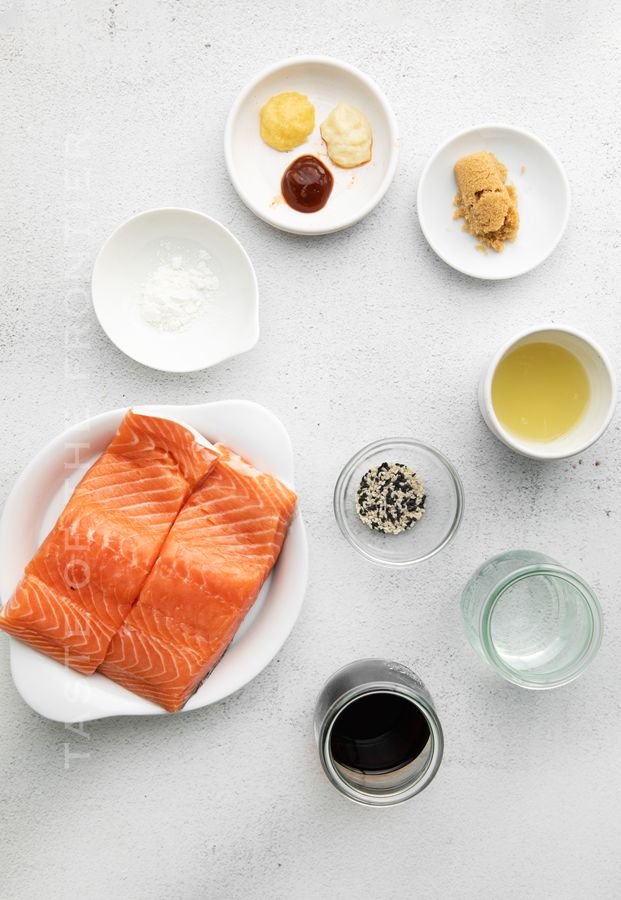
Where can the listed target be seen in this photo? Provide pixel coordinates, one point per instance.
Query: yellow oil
(540, 391)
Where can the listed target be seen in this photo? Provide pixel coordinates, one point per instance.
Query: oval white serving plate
(39, 496)
(229, 324)
(543, 202)
(255, 169)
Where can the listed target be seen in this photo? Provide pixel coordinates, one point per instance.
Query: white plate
(543, 202)
(256, 169)
(230, 323)
(41, 493)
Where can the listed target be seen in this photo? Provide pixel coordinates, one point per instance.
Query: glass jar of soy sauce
(379, 738)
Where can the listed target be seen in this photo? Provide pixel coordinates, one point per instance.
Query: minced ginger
(287, 120)
(487, 204)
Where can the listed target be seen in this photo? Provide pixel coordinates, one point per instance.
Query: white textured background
(365, 334)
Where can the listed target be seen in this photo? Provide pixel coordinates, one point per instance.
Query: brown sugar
(487, 204)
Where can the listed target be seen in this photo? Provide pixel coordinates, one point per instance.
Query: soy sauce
(378, 733)
(307, 184)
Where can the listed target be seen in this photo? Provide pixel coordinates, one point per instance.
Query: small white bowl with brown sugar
(521, 166)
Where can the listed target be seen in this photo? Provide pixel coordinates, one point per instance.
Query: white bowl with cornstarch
(174, 296)
(174, 290)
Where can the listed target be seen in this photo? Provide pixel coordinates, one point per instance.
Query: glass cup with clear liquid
(535, 622)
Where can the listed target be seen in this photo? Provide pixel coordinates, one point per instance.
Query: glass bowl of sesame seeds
(398, 501)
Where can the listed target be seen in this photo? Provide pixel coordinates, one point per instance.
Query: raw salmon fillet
(210, 570)
(85, 576)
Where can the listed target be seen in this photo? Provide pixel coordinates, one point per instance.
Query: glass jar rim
(570, 671)
(387, 797)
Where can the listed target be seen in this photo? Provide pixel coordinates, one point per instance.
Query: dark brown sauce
(307, 184)
(378, 733)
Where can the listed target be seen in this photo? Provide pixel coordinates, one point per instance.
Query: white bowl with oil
(600, 406)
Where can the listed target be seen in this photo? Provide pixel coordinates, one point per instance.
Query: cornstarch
(173, 296)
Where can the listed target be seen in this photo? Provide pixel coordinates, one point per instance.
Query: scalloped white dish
(229, 324)
(41, 493)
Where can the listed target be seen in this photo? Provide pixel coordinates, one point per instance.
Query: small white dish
(255, 169)
(228, 326)
(41, 493)
(603, 392)
(543, 202)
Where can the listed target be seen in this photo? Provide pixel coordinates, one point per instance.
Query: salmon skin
(83, 579)
(210, 571)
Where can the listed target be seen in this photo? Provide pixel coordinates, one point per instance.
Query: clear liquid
(540, 625)
(540, 391)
